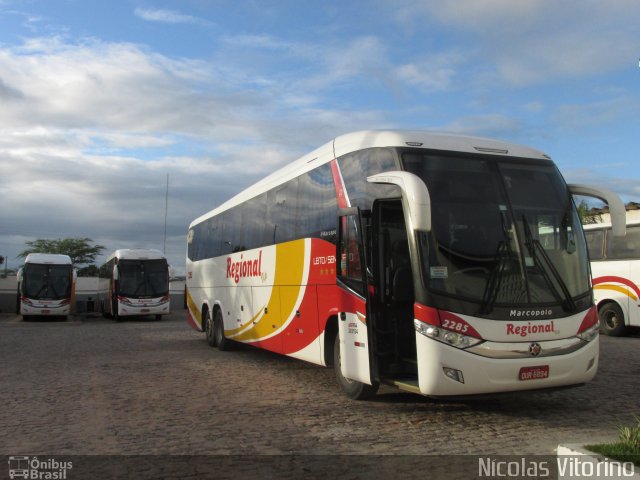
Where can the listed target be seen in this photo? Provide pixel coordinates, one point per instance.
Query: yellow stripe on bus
(289, 271)
(617, 288)
(195, 311)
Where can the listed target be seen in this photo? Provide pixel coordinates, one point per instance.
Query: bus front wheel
(612, 320)
(352, 388)
(114, 311)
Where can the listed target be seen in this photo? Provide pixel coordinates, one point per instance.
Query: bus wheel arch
(351, 388)
(222, 342)
(330, 334)
(612, 321)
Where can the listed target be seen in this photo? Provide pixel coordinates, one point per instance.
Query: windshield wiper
(493, 284)
(538, 252)
(503, 254)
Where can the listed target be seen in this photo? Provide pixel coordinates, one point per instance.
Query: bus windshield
(143, 278)
(47, 282)
(504, 233)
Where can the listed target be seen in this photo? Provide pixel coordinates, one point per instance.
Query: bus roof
(48, 258)
(360, 140)
(136, 254)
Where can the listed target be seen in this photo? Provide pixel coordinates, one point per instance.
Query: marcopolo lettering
(530, 313)
(244, 268)
(528, 329)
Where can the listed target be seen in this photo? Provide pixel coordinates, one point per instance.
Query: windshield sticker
(439, 272)
(528, 261)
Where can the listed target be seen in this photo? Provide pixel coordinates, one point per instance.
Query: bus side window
(595, 244)
(624, 247)
(350, 266)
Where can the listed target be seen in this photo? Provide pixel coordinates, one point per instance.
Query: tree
(80, 250)
(588, 215)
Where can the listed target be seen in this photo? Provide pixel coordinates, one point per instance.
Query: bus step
(408, 385)
(409, 360)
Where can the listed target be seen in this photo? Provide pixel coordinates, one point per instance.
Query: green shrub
(626, 449)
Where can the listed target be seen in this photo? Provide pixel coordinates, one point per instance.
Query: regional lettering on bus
(411, 259)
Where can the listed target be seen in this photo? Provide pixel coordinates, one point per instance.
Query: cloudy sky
(101, 100)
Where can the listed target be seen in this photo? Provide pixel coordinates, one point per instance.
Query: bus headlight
(454, 339)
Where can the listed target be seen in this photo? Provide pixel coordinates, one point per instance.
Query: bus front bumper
(444, 370)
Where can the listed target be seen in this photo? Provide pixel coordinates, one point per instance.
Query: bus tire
(209, 330)
(114, 311)
(352, 388)
(222, 342)
(612, 320)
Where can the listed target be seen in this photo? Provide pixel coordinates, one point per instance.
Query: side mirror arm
(616, 207)
(415, 196)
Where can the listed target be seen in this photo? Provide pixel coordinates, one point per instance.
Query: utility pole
(166, 208)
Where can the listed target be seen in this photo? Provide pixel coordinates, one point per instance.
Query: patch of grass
(617, 451)
(626, 449)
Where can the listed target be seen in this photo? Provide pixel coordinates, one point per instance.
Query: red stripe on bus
(341, 192)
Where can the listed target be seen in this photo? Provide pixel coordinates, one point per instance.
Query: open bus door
(352, 354)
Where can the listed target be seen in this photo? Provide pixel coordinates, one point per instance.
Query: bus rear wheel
(352, 388)
(209, 330)
(612, 320)
(222, 342)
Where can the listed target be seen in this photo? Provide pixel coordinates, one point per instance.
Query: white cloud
(89, 130)
(532, 41)
(595, 114)
(490, 125)
(165, 16)
(436, 72)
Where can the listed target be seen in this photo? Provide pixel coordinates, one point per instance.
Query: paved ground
(90, 386)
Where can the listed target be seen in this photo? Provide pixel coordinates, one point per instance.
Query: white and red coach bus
(615, 264)
(405, 258)
(134, 282)
(46, 284)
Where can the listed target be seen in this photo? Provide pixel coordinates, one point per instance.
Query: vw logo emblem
(535, 349)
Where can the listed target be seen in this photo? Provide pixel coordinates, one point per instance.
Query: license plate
(534, 373)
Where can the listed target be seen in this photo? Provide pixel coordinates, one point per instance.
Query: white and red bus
(615, 265)
(134, 282)
(46, 284)
(410, 259)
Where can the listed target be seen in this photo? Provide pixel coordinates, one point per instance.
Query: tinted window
(254, 213)
(357, 166)
(595, 243)
(143, 278)
(51, 282)
(503, 232)
(317, 204)
(283, 206)
(303, 207)
(624, 247)
(350, 268)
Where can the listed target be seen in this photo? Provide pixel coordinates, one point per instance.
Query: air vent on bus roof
(492, 150)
